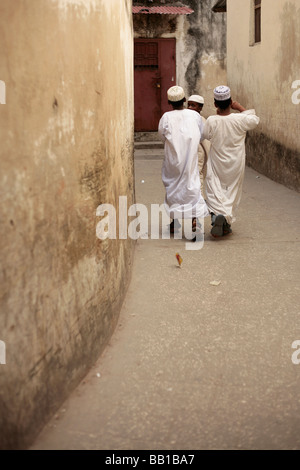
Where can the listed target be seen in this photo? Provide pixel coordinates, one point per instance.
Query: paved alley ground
(202, 357)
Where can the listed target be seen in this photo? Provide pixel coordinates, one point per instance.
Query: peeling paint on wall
(289, 51)
(262, 76)
(86, 6)
(273, 160)
(66, 147)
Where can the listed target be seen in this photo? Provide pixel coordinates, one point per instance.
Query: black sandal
(195, 224)
(174, 225)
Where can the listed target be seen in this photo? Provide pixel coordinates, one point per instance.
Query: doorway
(154, 73)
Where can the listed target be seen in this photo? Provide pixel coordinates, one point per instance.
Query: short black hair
(177, 104)
(223, 104)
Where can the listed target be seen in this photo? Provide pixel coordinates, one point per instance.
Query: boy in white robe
(180, 130)
(196, 103)
(226, 160)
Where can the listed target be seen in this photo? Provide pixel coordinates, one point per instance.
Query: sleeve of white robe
(201, 128)
(207, 130)
(162, 128)
(249, 120)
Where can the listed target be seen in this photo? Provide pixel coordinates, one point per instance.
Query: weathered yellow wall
(66, 134)
(262, 75)
(206, 39)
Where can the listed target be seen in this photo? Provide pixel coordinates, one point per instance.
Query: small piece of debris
(215, 283)
(98, 374)
(179, 259)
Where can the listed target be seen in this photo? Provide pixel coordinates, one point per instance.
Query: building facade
(176, 43)
(263, 58)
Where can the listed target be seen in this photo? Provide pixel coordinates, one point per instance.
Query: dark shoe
(227, 229)
(174, 226)
(195, 224)
(217, 230)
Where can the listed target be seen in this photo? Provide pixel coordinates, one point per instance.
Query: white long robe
(181, 130)
(203, 151)
(226, 161)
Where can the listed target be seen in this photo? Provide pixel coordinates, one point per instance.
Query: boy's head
(176, 96)
(222, 96)
(196, 102)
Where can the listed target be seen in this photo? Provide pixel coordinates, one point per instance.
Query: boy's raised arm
(237, 106)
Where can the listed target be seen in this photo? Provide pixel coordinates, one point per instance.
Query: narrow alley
(194, 363)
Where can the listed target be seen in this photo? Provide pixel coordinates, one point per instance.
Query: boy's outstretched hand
(237, 106)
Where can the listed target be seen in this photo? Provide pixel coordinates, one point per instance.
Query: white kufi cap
(222, 93)
(197, 99)
(175, 93)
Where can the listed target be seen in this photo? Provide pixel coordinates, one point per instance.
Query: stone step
(149, 145)
(146, 137)
(149, 154)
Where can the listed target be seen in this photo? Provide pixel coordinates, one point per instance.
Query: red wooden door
(154, 73)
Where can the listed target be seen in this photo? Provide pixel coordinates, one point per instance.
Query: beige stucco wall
(262, 75)
(66, 135)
